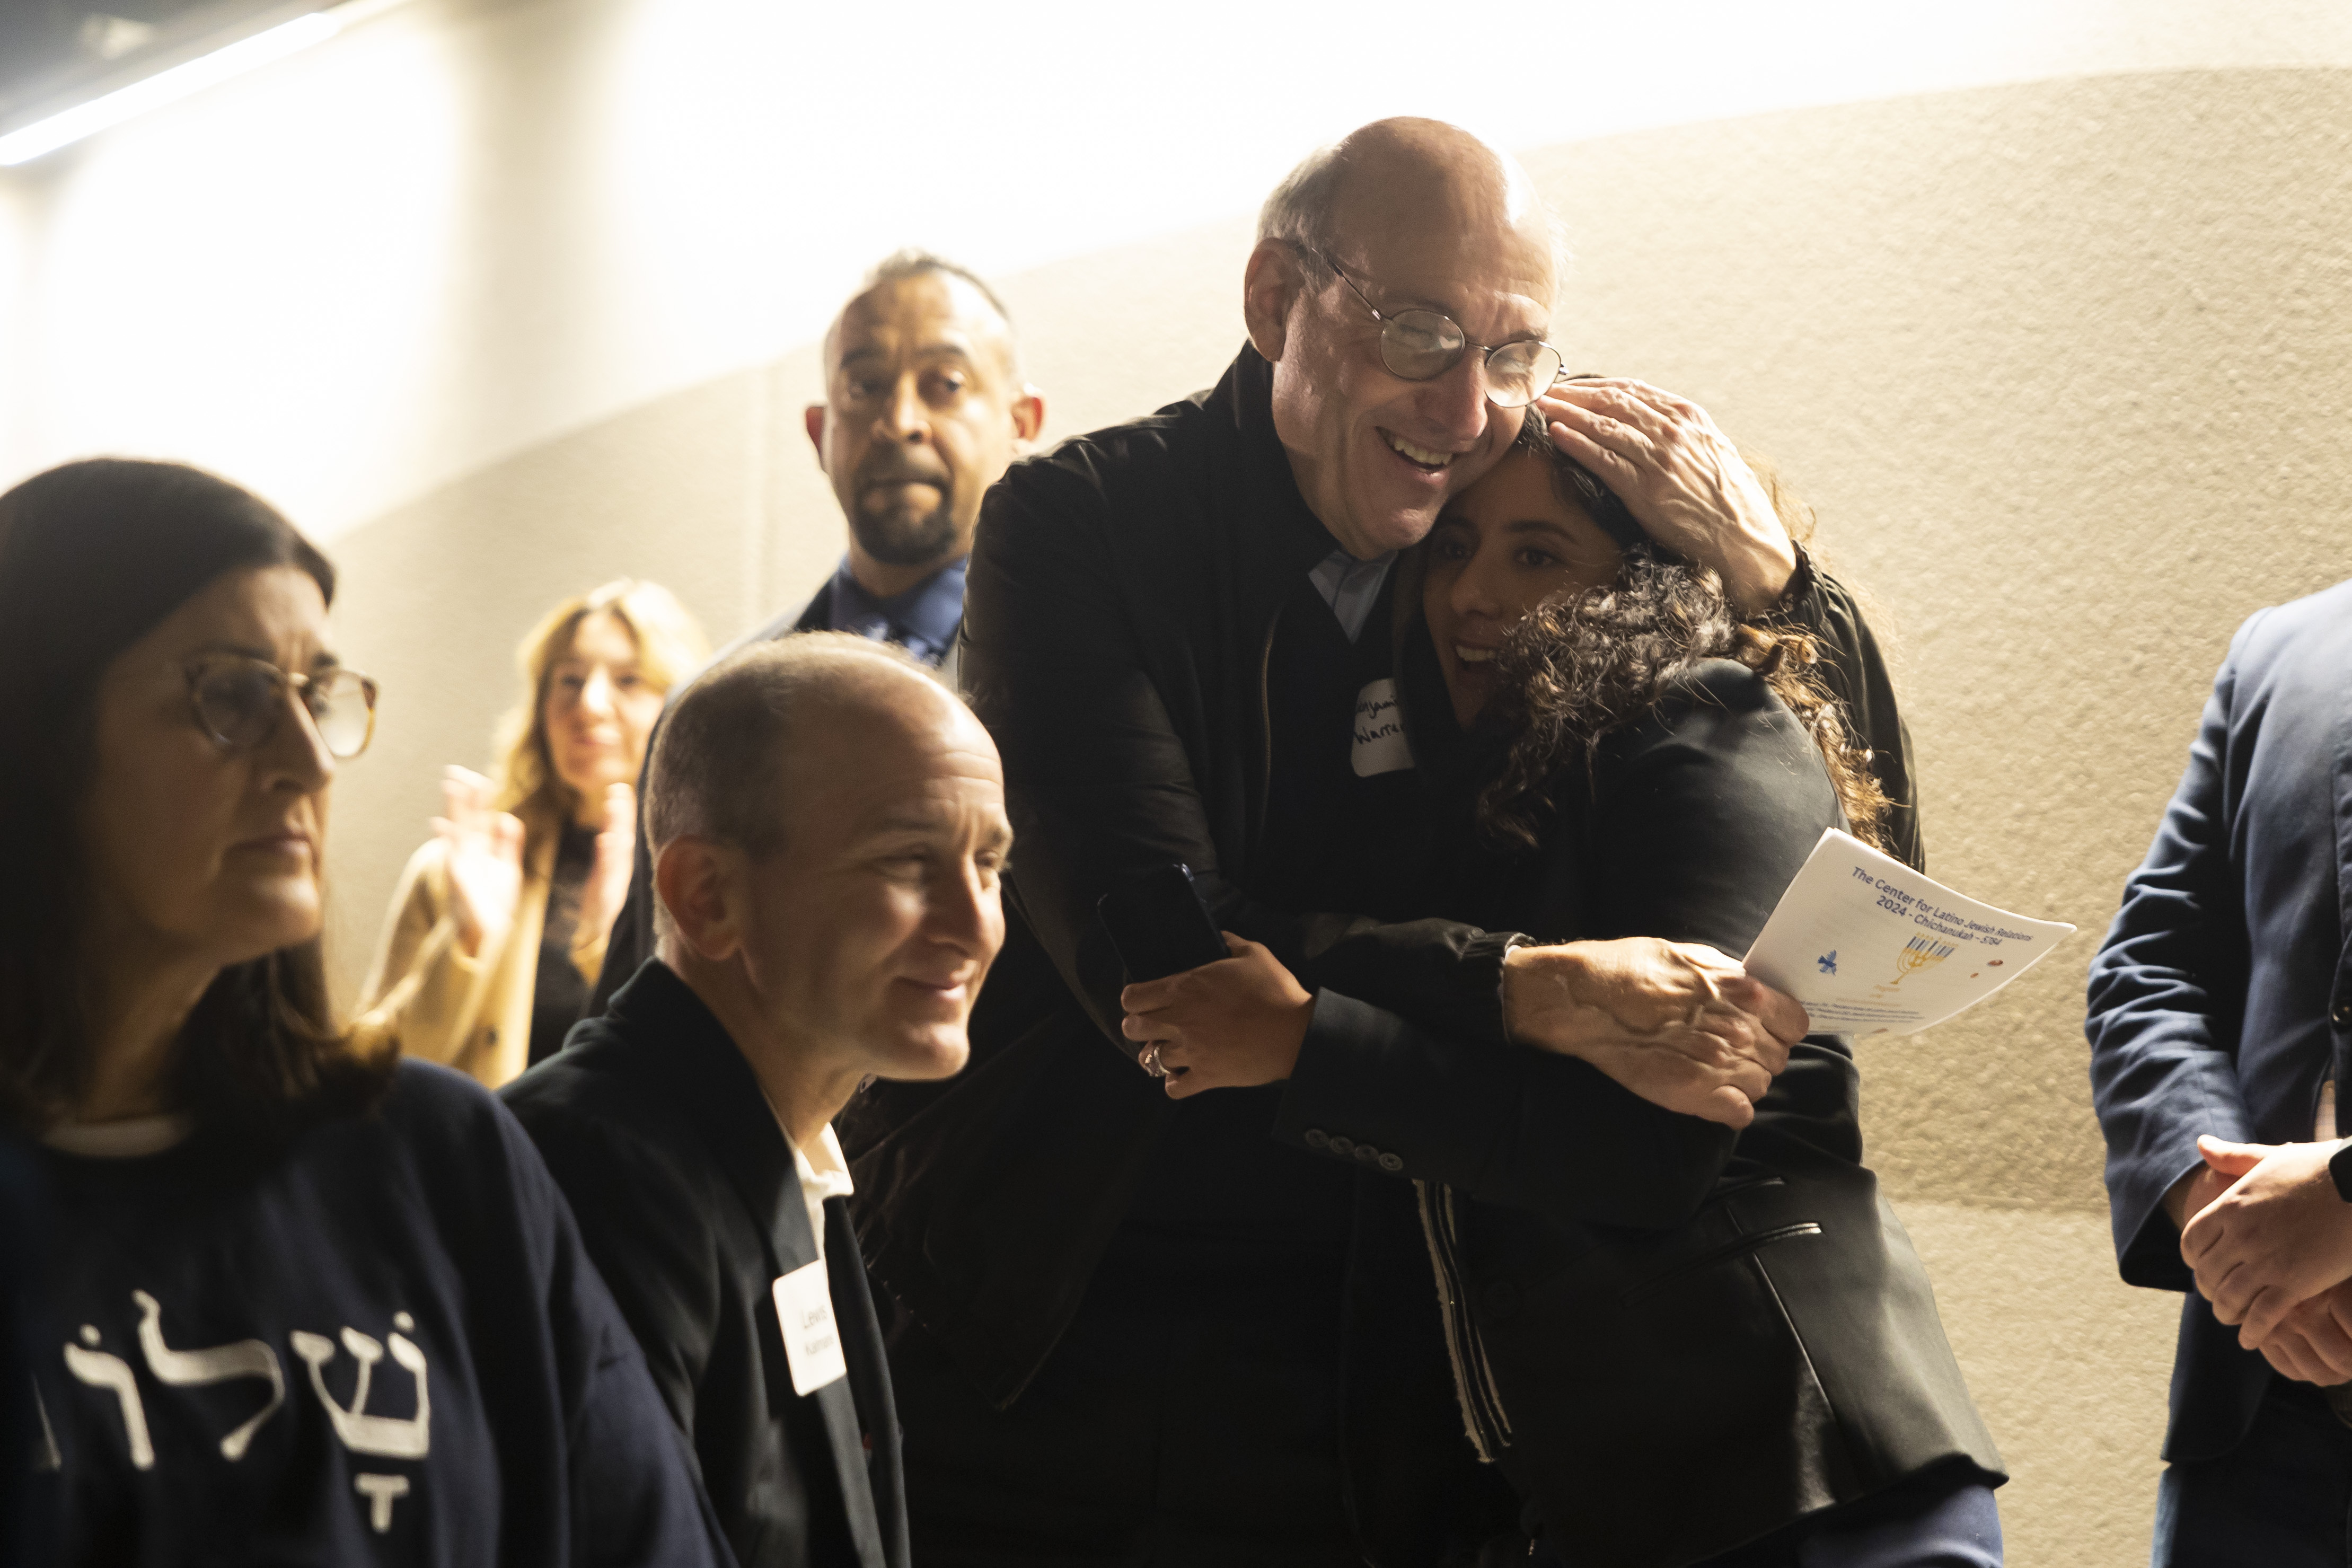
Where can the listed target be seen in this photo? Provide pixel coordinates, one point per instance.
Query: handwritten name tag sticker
(812, 1339)
(1380, 746)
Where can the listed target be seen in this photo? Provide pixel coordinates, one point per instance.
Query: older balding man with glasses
(1141, 1331)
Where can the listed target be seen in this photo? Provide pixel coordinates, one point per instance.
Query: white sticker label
(812, 1339)
(1380, 746)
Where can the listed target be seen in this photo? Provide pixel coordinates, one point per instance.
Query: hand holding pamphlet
(1871, 947)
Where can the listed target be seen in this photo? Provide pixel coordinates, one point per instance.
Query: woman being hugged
(496, 933)
(305, 1301)
(1685, 1341)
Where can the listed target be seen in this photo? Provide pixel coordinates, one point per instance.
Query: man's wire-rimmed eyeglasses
(1420, 344)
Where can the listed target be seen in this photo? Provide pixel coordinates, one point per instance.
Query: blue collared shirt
(922, 620)
(1351, 587)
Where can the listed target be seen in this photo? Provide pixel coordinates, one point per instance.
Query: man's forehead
(1461, 276)
(1463, 234)
(897, 735)
(926, 794)
(926, 310)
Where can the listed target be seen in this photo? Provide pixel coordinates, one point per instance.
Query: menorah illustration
(1920, 952)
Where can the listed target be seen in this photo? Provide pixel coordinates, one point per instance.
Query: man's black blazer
(686, 1197)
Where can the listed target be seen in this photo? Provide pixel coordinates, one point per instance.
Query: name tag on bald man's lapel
(1380, 746)
(812, 1338)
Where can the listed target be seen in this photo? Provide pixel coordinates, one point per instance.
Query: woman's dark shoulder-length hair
(1582, 666)
(93, 555)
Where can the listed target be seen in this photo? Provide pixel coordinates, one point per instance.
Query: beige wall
(2063, 367)
(464, 228)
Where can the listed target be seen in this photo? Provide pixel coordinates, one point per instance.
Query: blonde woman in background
(496, 933)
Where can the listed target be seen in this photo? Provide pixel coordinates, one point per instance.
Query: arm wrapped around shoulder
(1503, 1123)
(1675, 843)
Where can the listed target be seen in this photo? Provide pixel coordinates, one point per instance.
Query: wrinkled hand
(2280, 1235)
(607, 888)
(1234, 1024)
(2313, 1343)
(484, 859)
(1677, 1023)
(1682, 479)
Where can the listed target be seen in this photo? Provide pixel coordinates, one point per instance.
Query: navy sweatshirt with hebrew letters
(379, 1343)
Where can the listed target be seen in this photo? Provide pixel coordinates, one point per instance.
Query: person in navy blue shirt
(924, 409)
(301, 1301)
(2219, 1024)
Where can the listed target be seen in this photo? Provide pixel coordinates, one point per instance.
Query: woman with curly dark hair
(1682, 1344)
(305, 1301)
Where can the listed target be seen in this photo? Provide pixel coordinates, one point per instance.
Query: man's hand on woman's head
(484, 850)
(1682, 479)
(1677, 1023)
(1234, 1024)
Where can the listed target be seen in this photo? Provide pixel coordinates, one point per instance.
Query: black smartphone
(1159, 925)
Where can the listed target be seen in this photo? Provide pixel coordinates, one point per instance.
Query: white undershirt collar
(824, 1173)
(132, 1138)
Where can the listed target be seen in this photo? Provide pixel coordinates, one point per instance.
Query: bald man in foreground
(1206, 1332)
(828, 829)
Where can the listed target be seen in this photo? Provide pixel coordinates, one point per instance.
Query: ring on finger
(1148, 1058)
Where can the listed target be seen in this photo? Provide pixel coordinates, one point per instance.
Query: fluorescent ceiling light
(169, 87)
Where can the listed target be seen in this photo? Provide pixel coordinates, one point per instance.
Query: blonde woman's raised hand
(484, 859)
(616, 852)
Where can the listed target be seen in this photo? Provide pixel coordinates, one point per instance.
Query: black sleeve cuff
(1791, 608)
(1446, 978)
(1373, 1088)
(2339, 1167)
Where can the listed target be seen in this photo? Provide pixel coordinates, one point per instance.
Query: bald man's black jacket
(1121, 615)
(687, 1199)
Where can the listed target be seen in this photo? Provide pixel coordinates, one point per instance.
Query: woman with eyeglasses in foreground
(496, 932)
(305, 1301)
(1683, 1345)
